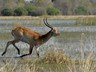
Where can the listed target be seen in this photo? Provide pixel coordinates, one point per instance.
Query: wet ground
(72, 40)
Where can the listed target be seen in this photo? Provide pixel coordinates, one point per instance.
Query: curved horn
(46, 23)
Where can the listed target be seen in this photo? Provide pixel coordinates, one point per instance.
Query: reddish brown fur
(27, 31)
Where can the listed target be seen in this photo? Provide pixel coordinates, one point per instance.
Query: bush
(7, 12)
(39, 12)
(31, 9)
(35, 11)
(20, 11)
(81, 10)
(52, 11)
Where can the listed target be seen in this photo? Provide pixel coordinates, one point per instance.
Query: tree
(81, 10)
(20, 11)
(53, 11)
(7, 12)
(36, 11)
(43, 3)
(39, 11)
(31, 9)
(21, 3)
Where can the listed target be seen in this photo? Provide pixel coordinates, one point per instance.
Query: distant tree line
(30, 11)
(47, 7)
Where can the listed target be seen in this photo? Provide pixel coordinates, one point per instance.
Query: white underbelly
(26, 40)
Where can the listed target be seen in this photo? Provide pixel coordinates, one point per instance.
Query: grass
(89, 21)
(52, 17)
(80, 19)
(54, 60)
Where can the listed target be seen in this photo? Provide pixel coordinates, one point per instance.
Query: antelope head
(54, 30)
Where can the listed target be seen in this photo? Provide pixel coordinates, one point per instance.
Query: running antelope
(30, 37)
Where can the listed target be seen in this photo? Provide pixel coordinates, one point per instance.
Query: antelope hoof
(18, 56)
(3, 53)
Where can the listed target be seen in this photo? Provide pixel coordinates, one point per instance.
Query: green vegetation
(7, 12)
(20, 11)
(65, 7)
(31, 10)
(53, 11)
(38, 12)
(81, 10)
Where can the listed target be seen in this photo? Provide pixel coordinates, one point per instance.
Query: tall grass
(80, 19)
(89, 21)
(53, 61)
(84, 64)
(52, 17)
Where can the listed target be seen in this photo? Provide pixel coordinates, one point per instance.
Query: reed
(80, 19)
(53, 61)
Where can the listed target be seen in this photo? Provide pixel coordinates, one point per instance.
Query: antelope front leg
(37, 51)
(16, 46)
(13, 43)
(30, 52)
(8, 43)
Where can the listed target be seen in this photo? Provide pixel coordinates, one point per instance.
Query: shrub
(7, 12)
(52, 11)
(35, 11)
(81, 10)
(31, 9)
(39, 12)
(20, 11)
(56, 56)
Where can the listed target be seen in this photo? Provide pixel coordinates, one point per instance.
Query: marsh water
(72, 41)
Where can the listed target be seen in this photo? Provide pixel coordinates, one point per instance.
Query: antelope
(32, 38)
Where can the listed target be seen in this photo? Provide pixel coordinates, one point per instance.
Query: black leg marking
(30, 52)
(8, 43)
(16, 46)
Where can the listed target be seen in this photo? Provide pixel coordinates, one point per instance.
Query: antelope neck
(46, 36)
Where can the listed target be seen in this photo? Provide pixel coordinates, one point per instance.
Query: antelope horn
(46, 23)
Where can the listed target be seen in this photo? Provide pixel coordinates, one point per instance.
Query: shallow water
(72, 41)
